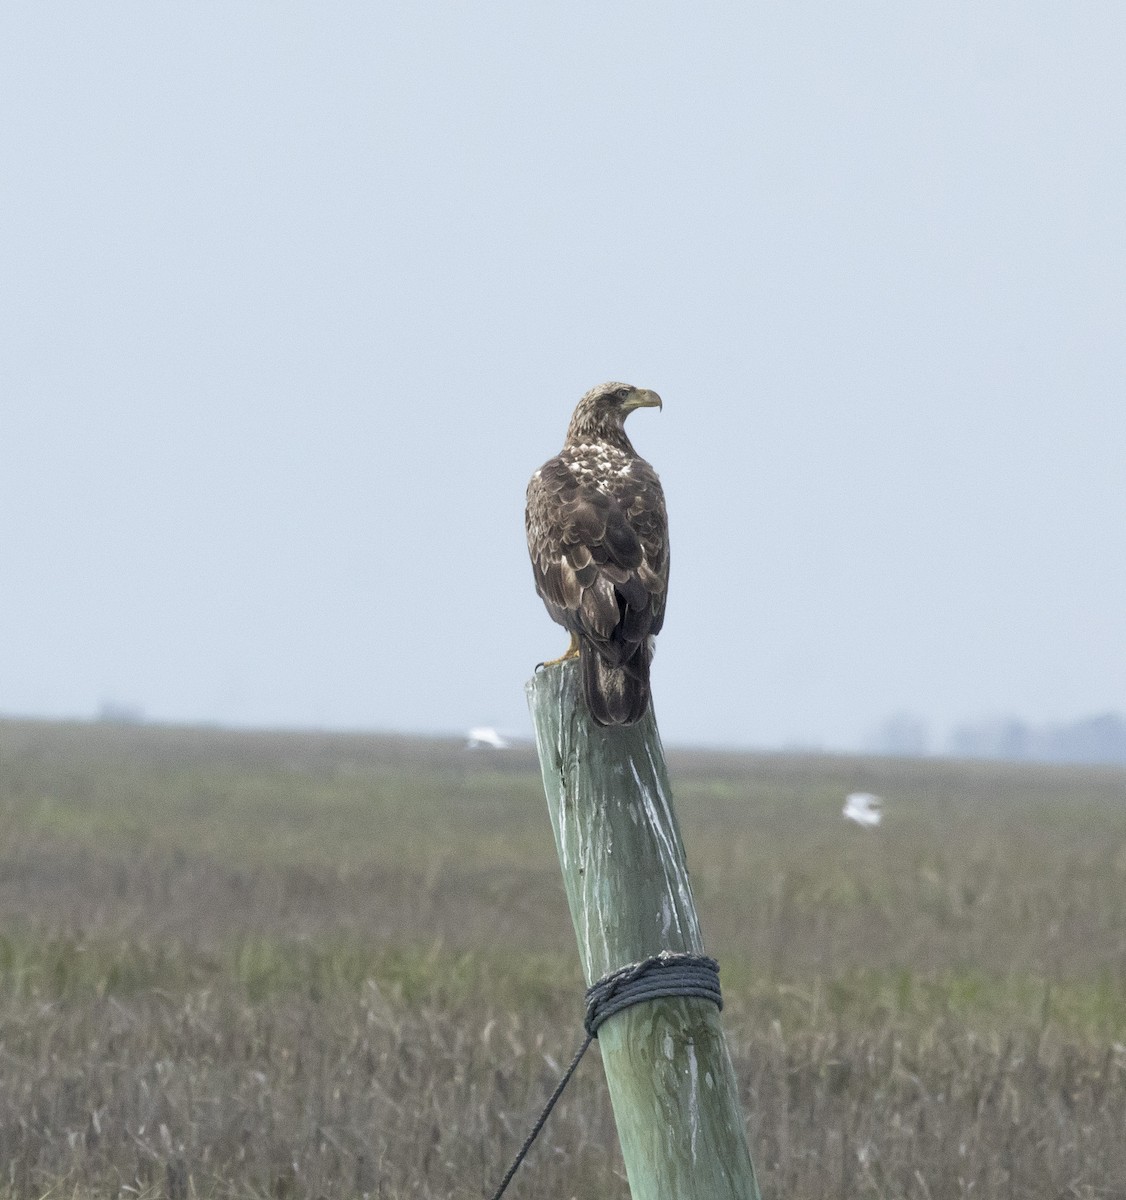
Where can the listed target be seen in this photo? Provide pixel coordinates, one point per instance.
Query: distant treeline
(1099, 739)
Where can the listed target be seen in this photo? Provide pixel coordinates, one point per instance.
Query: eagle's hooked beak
(642, 398)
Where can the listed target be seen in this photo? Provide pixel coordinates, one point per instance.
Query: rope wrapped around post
(659, 977)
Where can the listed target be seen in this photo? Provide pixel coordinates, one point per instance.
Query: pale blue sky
(296, 297)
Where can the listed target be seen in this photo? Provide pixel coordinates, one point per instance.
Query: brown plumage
(598, 538)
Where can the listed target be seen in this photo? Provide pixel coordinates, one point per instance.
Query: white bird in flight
(864, 809)
(485, 735)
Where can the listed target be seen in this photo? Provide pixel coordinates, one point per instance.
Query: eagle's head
(602, 411)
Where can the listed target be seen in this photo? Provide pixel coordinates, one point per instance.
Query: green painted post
(676, 1102)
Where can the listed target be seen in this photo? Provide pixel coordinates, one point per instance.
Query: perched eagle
(598, 537)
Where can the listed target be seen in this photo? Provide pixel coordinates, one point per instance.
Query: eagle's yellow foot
(572, 651)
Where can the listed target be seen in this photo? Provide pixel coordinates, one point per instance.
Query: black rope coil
(659, 977)
(662, 975)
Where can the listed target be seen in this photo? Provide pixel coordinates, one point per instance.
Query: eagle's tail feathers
(616, 695)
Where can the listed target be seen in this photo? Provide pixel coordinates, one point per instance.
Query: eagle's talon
(572, 651)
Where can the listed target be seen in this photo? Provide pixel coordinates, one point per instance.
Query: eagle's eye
(622, 392)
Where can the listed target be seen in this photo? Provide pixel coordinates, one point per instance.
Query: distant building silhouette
(113, 712)
(903, 735)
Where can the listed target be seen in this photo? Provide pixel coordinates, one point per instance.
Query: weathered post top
(671, 1081)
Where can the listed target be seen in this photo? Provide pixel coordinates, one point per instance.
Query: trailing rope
(658, 977)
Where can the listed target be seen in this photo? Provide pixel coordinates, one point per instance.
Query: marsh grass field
(297, 965)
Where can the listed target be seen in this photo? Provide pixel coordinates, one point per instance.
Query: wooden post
(676, 1102)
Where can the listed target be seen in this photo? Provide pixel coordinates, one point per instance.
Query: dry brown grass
(368, 1095)
(267, 965)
